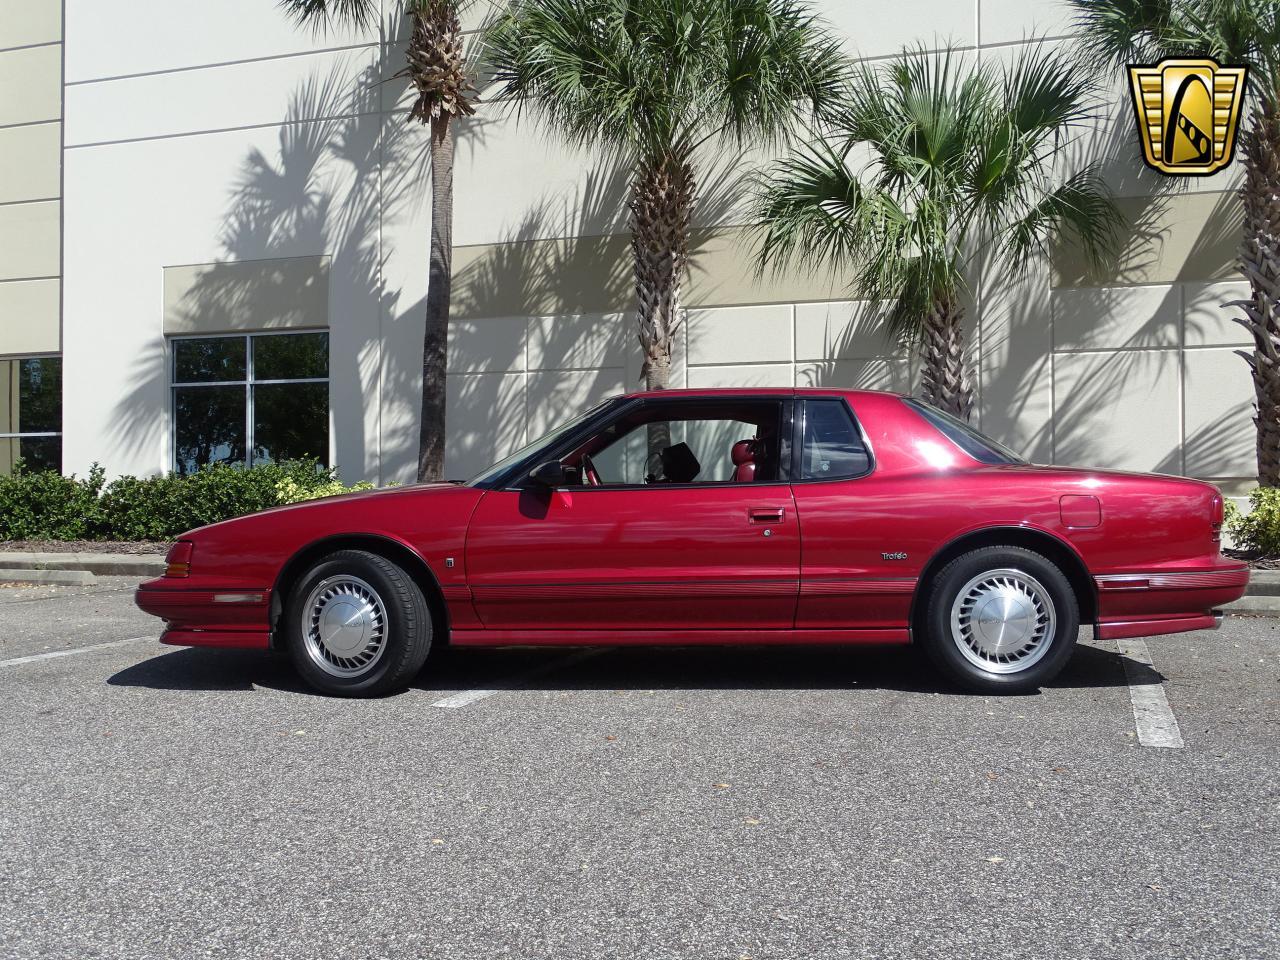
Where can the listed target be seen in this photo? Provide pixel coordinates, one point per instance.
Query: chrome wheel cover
(1003, 621)
(344, 626)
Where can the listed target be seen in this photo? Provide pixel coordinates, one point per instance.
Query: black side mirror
(553, 473)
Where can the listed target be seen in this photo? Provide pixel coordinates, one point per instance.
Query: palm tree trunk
(1260, 263)
(946, 380)
(435, 341)
(661, 204)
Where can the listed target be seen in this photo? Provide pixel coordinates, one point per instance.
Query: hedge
(44, 505)
(1258, 531)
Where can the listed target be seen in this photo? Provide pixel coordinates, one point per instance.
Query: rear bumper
(1149, 603)
(205, 617)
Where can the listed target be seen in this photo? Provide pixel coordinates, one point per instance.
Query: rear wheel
(1001, 620)
(357, 625)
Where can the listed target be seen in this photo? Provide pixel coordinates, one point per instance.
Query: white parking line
(70, 653)
(1157, 726)
(467, 697)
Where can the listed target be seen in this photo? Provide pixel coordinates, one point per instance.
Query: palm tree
(931, 162)
(655, 82)
(1232, 32)
(437, 68)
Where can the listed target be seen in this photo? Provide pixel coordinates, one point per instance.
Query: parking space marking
(1157, 726)
(70, 653)
(467, 697)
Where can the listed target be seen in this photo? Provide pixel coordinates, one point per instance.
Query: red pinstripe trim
(855, 588)
(515, 593)
(1174, 581)
(456, 592)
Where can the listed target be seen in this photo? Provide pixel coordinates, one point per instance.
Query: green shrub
(1259, 530)
(44, 505)
(48, 506)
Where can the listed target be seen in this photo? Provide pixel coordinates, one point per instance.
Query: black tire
(397, 650)
(945, 642)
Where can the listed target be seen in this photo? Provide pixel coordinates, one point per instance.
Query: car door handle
(765, 514)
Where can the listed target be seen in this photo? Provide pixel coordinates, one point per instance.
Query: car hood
(324, 504)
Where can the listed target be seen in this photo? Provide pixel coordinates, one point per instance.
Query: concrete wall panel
(1218, 412)
(29, 317)
(296, 89)
(1118, 410)
(29, 235)
(1096, 318)
(24, 23)
(30, 162)
(246, 295)
(30, 84)
(760, 334)
(149, 36)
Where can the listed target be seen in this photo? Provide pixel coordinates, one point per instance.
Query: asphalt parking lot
(160, 802)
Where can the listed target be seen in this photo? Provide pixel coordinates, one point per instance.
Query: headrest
(744, 451)
(679, 465)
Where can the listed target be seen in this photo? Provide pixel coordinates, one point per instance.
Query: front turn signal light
(178, 561)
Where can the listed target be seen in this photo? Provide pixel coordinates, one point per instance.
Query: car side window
(833, 447)
(699, 442)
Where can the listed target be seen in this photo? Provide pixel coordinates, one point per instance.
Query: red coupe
(717, 517)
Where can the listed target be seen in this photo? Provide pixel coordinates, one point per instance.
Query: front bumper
(208, 617)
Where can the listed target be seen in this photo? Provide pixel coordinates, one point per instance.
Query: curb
(70, 578)
(102, 564)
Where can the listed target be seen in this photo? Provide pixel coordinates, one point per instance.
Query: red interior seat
(743, 455)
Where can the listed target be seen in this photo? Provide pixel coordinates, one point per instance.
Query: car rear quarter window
(832, 447)
(979, 446)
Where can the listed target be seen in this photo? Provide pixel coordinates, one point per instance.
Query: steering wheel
(590, 475)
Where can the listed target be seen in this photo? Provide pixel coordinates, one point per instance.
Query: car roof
(758, 392)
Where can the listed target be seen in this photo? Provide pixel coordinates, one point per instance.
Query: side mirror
(551, 474)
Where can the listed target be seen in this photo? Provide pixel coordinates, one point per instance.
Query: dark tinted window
(31, 413)
(833, 447)
(981, 448)
(297, 356)
(208, 360)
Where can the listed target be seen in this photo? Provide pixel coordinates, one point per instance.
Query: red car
(717, 517)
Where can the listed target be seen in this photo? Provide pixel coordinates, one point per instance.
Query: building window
(250, 399)
(31, 413)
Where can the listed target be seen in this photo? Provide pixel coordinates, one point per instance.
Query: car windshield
(529, 449)
(979, 446)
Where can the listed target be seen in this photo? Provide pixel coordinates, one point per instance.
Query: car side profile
(717, 517)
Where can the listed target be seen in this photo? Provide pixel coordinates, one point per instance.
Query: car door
(852, 576)
(714, 553)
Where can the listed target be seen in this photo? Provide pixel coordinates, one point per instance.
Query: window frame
(37, 434)
(248, 383)
(797, 441)
(517, 480)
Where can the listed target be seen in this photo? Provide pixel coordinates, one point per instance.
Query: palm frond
(1080, 209)
(324, 14)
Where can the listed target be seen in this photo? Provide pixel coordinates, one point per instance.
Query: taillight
(1215, 518)
(178, 561)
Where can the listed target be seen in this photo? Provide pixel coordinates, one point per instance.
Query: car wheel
(357, 625)
(1001, 620)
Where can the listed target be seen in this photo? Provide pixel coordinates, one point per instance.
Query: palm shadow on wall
(342, 173)
(554, 297)
(1088, 390)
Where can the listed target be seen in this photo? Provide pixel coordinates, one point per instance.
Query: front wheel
(357, 625)
(1001, 620)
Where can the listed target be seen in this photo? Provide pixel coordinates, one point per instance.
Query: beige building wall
(279, 163)
(30, 176)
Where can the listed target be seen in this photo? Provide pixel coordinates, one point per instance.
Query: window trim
(518, 480)
(797, 444)
(248, 383)
(36, 434)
